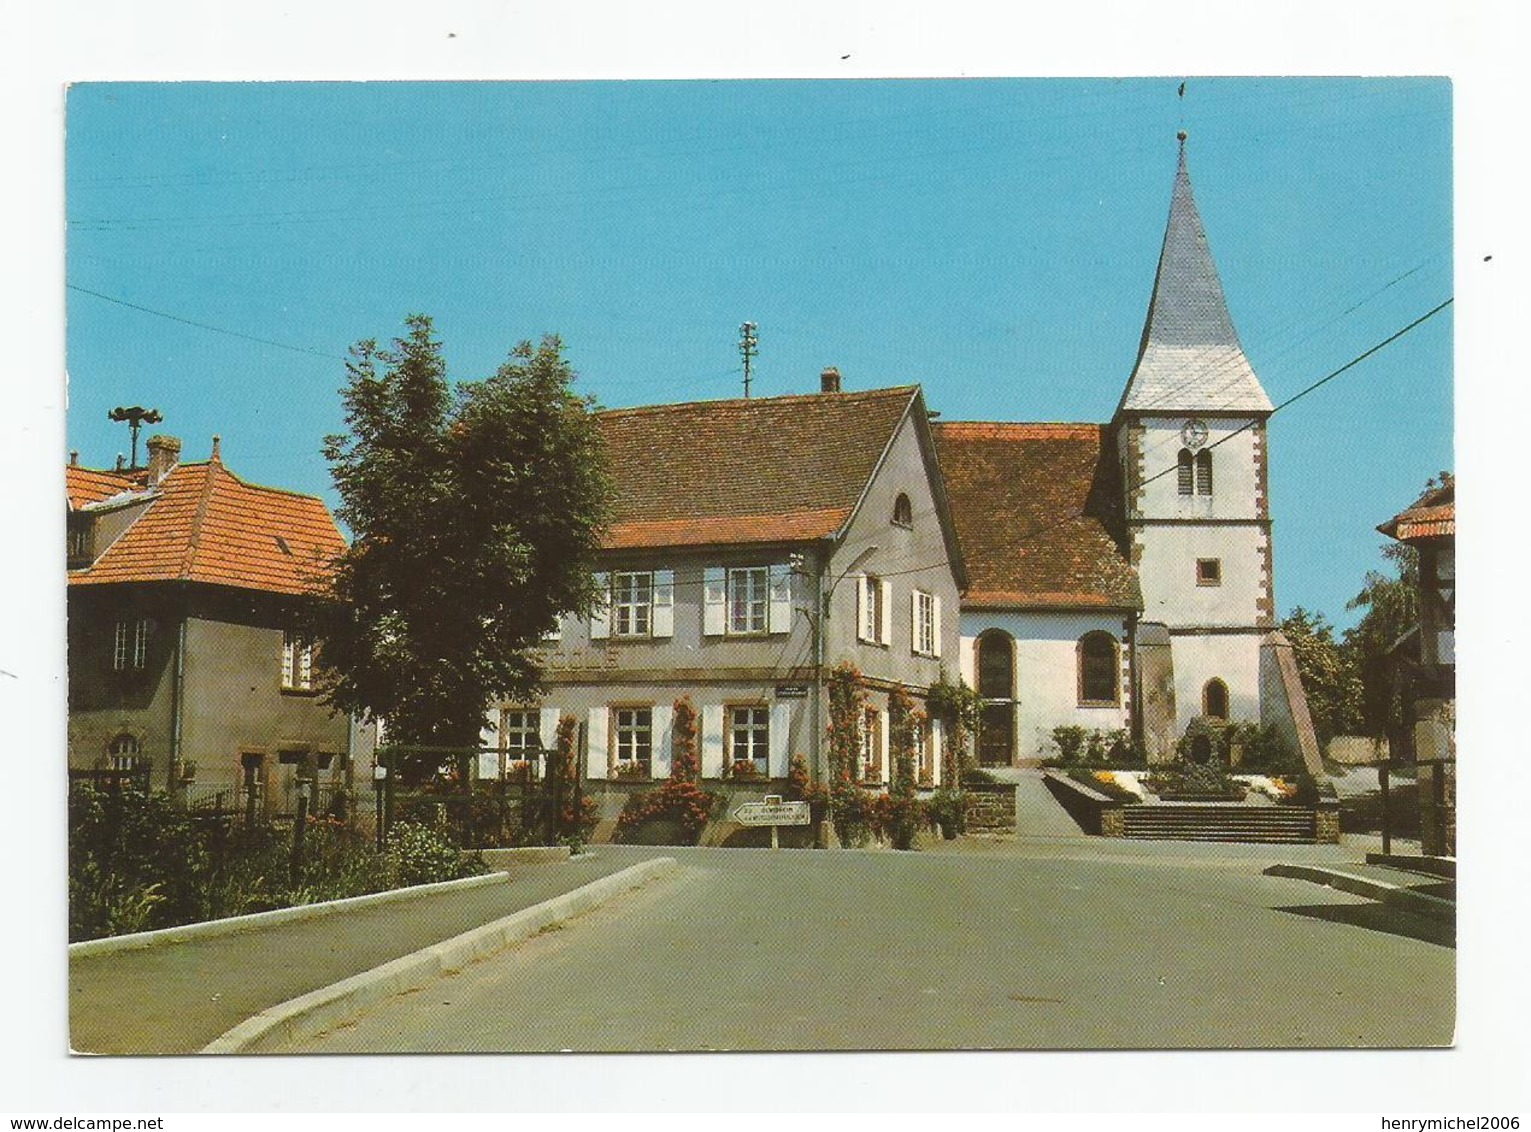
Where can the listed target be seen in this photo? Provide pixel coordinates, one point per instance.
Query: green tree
(1329, 674)
(476, 513)
(1392, 610)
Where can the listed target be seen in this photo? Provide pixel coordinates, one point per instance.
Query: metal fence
(513, 807)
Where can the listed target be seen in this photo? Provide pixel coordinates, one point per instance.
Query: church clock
(1194, 433)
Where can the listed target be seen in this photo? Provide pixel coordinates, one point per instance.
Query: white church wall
(1167, 573)
(1047, 672)
(1235, 469)
(1232, 658)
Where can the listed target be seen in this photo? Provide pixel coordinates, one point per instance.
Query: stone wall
(990, 807)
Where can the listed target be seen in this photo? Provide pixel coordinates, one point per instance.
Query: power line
(1300, 394)
(205, 325)
(1081, 514)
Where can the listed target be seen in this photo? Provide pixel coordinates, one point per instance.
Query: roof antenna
(749, 346)
(136, 416)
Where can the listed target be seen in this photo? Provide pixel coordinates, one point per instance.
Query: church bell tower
(1191, 435)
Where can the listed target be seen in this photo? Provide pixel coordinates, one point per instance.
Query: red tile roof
(775, 469)
(1432, 515)
(205, 524)
(1035, 508)
(89, 485)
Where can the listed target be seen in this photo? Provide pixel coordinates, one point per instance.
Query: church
(1121, 575)
(1116, 578)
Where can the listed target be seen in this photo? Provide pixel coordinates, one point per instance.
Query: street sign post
(772, 812)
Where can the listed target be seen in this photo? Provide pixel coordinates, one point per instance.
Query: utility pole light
(749, 346)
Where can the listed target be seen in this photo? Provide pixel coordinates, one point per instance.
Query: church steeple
(1190, 359)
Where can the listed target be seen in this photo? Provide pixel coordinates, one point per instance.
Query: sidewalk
(178, 997)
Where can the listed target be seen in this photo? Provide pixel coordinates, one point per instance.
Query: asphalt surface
(972, 944)
(177, 998)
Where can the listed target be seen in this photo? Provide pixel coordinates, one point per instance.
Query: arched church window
(1098, 669)
(996, 665)
(903, 512)
(1204, 472)
(1187, 472)
(996, 687)
(1214, 699)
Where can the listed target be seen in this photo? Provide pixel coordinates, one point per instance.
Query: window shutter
(886, 629)
(600, 616)
(715, 598)
(781, 600)
(488, 765)
(712, 740)
(489, 735)
(305, 665)
(662, 621)
(1204, 472)
(547, 728)
(885, 757)
(287, 656)
(781, 726)
(914, 621)
(598, 751)
(935, 623)
(863, 599)
(664, 737)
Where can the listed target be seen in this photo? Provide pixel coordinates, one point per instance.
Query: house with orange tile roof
(1425, 662)
(1122, 575)
(755, 544)
(186, 585)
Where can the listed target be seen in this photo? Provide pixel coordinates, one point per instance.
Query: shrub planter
(1095, 812)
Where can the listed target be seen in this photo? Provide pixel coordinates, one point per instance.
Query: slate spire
(1190, 359)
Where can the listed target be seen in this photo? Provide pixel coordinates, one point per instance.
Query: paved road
(999, 945)
(177, 998)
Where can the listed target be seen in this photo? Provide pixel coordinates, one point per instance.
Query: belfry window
(1187, 472)
(1204, 472)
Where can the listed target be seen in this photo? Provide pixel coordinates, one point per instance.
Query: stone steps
(1213, 822)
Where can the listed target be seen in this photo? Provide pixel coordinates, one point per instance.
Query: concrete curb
(529, 855)
(1393, 895)
(232, 925)
(1413, 862)
(319, 1010)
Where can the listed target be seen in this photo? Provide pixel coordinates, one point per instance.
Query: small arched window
(903, 511)
(1214, 699)
(1204, 472)
(1187, 469)
(1098, 674)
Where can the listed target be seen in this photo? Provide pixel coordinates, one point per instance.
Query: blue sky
(994, 240)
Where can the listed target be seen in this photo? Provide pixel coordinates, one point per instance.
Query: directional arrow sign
(773, 811)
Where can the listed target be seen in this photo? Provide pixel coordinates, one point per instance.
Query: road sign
(792, 691)
(773, 811)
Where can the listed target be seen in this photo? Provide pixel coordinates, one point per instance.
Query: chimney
(829, 380)
(122, 462)
(164, 454)
(74, 457)
(217, 448)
